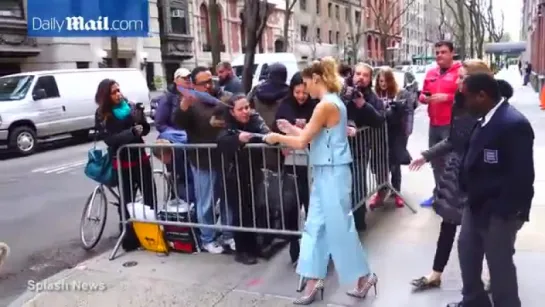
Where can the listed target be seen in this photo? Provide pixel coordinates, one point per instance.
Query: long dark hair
(296, 79)
(103, 98)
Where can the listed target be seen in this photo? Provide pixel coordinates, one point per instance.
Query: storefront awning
(18, 51)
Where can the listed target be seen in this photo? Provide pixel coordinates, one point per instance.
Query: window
(330, 37)
(347, 12)
(48, 84)
(318, 4)
(11, 9)
(178, 21)
(357, 17)
(82, 65)
(337, 11)
(329, 10)
(15, 88)
(303, 4)
(304, 33)
(337, 37)
(318, 35)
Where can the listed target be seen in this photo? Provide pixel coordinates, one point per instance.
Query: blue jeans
(205, 182)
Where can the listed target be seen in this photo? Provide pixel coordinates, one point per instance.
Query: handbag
(99, 166)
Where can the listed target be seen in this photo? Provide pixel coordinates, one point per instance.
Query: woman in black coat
(119, 123)
(399, 105)
(242, 171)
(448, 199)
(297, 109)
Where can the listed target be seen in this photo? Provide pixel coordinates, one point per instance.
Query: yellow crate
(151, 237)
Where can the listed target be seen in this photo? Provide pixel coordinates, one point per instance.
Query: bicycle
(99, 192)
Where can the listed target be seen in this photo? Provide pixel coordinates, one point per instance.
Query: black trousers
(447, 233)
(134, 179)
(243, 214)
(493, 237)
(301, 173)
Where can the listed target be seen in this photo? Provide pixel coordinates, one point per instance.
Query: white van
(42, 105)
(262, 62)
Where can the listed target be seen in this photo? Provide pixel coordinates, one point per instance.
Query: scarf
(122, 110)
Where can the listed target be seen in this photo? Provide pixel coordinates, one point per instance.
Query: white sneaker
(231, 244)
(213, 248)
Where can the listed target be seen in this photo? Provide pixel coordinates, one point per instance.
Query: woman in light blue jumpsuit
(329, 228)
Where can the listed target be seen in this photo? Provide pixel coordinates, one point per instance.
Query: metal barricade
(256, 188)
(371, 166)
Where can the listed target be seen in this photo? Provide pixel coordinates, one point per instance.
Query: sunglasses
(205, 82)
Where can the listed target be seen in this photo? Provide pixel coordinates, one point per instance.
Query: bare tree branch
(288, 10)
(356, 30)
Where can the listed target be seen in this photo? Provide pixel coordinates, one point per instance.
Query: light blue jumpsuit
(329, 228)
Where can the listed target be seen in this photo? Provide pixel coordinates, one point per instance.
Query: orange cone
(542, 98)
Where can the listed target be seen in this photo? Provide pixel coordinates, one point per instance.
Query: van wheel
(81, 134)
(23, 140)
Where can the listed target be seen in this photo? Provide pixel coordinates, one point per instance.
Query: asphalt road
(42, 197)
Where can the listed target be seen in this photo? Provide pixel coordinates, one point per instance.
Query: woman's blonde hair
(392, 87)
(327, 70)
(476, 66)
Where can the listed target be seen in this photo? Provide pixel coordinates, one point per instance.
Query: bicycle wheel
(97, 220)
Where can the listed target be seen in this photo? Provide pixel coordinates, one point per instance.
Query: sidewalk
(401, 247)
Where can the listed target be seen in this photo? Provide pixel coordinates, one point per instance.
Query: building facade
(533, 30)
(20, 53)
(375, 52)
(325, 28)
(439, 22)
(231, 30)
(414, 31)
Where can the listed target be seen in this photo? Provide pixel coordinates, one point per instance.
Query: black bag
(279, 194)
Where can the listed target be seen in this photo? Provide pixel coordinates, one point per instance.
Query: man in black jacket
(497, 173)
(360, 103)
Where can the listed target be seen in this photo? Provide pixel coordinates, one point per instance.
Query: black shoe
(423, 284)
(245, 258)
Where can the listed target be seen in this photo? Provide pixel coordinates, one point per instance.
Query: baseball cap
(182, 73)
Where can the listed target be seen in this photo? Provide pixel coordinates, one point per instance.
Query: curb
(28, 296)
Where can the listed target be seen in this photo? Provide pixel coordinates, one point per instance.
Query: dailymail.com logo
(79, 24)
(84, 18)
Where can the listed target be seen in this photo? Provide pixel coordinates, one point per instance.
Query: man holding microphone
(439, 88)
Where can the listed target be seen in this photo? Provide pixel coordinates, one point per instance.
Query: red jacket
(437, 83)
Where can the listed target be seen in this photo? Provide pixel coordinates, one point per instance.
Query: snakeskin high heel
(311, 297)
(372, 281)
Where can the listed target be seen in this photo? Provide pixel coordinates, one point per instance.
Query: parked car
(155, 100)
(43, 105)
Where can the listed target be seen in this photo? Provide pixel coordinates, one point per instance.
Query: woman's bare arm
(320, 117)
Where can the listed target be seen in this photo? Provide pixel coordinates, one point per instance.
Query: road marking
(60, 169)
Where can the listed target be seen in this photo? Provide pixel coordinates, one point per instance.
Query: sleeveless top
(330, 146)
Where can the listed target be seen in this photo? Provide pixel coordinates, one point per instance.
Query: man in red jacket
(438, 93)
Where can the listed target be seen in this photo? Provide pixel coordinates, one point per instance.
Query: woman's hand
(271, 138)
(245, 137)
(417, 163)
(351, 131)
(286, 127)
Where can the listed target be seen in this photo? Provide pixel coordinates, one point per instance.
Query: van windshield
(239, 68)
(14, 87)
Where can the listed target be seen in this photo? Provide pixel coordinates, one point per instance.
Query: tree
(254, 16)
(215, 35)
(387, 14)
(288, 10)
(457, 11)
(495, 29)
(313, 38)
(355, 31)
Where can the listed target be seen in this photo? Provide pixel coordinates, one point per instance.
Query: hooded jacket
(440, 83)
(266, 97)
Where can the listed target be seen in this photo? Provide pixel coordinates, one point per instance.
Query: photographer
(399, 105)
(362, 107)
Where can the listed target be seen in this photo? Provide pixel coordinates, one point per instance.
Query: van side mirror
(39, 94)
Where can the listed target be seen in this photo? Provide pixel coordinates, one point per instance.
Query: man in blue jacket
(497, 174)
